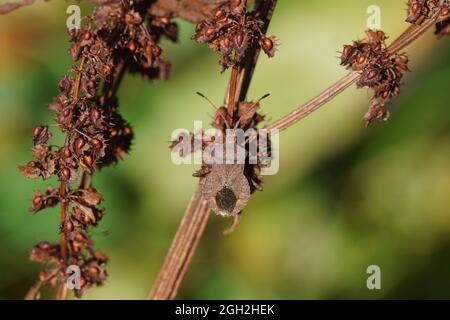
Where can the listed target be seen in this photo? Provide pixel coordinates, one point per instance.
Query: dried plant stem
(411, 34)
(315, 103)
(182, 248)
(62, 218)
(231, 99)
(78, 80)
(33, 292)
(61, 293)
(197, 212)
(86, 180)
(11, 6)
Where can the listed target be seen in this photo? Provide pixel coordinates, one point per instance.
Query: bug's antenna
(207, 99)
(264, 96)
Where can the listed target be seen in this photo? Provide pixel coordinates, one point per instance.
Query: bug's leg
(231, 229)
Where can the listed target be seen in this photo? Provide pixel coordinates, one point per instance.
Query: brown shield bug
(224, 185)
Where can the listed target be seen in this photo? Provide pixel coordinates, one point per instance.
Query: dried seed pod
(68, 226)
(220, 14)
(79, 145)
(347, 55)
(268, 45)
(65, 174)
(237, 7)
(100, 256)
(40, 135)
(65, 84)
(43, 252)
(369, 77)
(37, 203)
(66, 153)
(132, 46)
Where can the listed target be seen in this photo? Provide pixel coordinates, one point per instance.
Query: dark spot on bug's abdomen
(226, 199)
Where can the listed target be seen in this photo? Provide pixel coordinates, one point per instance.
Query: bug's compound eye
(226, 200)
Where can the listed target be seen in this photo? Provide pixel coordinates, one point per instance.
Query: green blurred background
(345, 197)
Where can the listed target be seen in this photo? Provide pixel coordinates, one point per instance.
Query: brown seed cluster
(118, 37)
(231, 31)
(379, 70)
(420, 10)
(91, 265)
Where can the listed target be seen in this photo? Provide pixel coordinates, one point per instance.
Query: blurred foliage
(346, 197)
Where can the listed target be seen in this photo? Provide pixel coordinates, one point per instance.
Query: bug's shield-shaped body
(226, 189)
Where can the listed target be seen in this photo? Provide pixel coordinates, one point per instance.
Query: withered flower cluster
(380, 70)
(419, 10)
(232, 30)
(118, 37)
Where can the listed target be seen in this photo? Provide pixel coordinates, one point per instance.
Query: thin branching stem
(315, 103)
(182, 249)
(231, 99)
(33, 292)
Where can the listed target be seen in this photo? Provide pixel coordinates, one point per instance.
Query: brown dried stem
(61, 293)
(33, 292)
(182, 249)
(411, 34)
(197, 213)
(231, 97)
(62, 218)
(11, 6)
(78, 80)
(315, 103)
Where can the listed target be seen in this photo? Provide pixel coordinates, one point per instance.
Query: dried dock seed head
(379, 69)
(231, 31)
